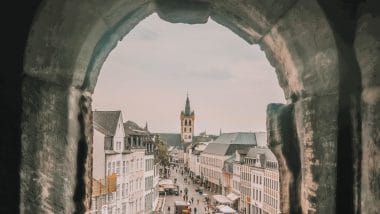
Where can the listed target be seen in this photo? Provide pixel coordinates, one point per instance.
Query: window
(109, 168)
(190, 129)
(124, 209)
(190, 123)
(184, 129)
(113, 167)
(118, 167)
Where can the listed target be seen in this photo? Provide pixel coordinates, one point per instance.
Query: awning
(232, 196)
(221, 199)
(165, 182)
(225, 209)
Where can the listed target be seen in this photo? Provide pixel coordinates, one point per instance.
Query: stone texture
(283, 142)
(367, 47)
(302, 48)
(50, 133)
(187, 11)
(70, 40)
(83, 189)
(249, 19)
(317, 131)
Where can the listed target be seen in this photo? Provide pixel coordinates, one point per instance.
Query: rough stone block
(187, 11)
(317, 131)
(49, 144)
(249, 19)
(367, 49)
(302, 48)
(283, 142)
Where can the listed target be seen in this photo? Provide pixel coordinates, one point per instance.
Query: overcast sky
(148, 74)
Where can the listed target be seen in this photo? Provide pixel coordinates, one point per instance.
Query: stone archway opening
(70, 40)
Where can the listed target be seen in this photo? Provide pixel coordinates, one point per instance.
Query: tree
(163, 154)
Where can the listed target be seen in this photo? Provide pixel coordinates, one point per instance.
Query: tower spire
(187, 106)
(146, 125)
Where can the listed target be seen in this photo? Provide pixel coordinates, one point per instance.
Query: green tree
(163, 154)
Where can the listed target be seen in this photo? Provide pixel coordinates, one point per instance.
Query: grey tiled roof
(237, 138)
(225, 149)
(131, 128)
(254, 152)
(228, 143)
(172, 139)
(106, 121)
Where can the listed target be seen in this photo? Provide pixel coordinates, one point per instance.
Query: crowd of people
(184, 194)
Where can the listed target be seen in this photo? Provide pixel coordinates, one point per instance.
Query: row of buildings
(125, 175)
(238, 165)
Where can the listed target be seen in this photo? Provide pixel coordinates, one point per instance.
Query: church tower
(187, 123)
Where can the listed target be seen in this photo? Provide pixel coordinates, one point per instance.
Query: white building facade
(120, 149)
(216, 153)
(259, 186)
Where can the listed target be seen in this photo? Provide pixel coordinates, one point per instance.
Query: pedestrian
(168, 209)
(197, 201)
(192, 199)
(195, 210)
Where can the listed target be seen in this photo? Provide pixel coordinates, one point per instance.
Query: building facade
(194, 158)
(216, 153)
(108, 153)
(259, 182)
(122, 150)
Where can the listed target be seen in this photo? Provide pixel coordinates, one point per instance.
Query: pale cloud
(147, 75)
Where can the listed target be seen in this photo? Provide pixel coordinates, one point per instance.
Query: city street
(191, 194)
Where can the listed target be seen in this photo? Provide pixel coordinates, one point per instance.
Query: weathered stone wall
(367, 48)
(326, 138)
(283, 140)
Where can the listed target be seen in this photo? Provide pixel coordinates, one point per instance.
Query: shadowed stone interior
(304, 40)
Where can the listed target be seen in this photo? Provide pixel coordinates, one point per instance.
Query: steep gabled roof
(106, 121)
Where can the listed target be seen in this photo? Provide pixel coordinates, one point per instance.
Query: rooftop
(131, 128)
(106, 121)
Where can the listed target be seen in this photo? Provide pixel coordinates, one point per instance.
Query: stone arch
(70, 40)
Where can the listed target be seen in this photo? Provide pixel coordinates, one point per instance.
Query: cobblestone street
(200, 207)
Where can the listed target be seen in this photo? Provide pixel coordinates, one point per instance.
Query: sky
(149, 73)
